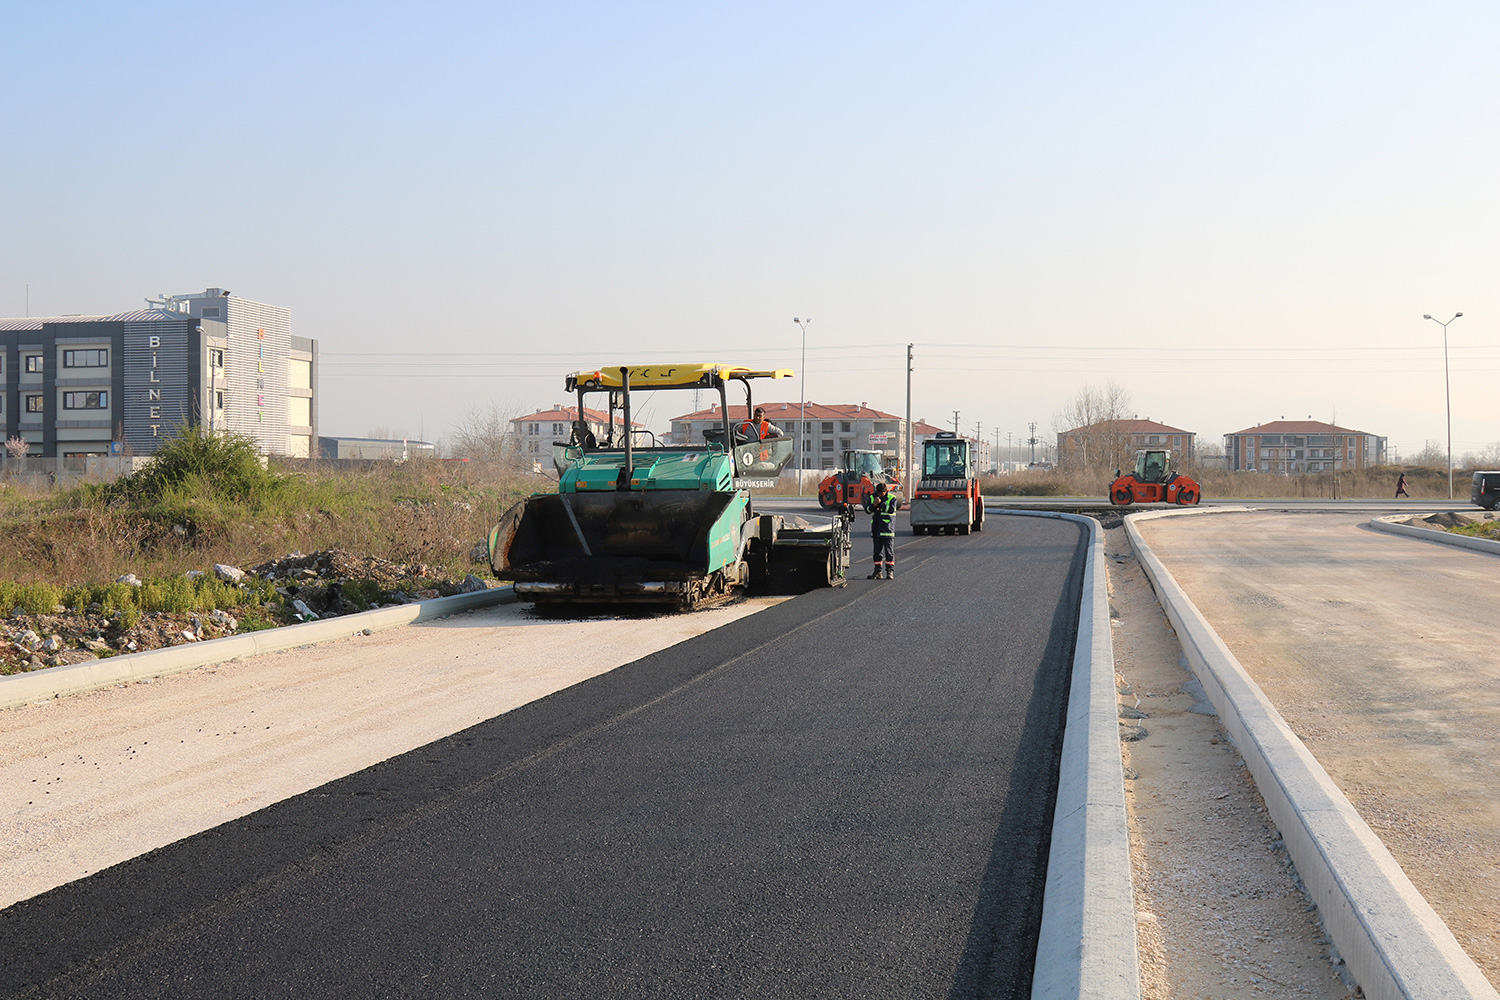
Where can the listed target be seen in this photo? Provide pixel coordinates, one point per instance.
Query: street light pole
(802, 420)
(906, 448)
(1447, 396)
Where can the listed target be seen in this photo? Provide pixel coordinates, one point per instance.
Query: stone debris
(309, 586)
(229, 574)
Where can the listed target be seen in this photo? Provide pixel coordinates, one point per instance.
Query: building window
(558, 428)
(210, 312)
(828, 427)
(216, 360)
(827, 445)
(844, 426)
(34, 364)
(85, 401)
(533, 428)
(218, 399)
(33, 404)
(92, 358)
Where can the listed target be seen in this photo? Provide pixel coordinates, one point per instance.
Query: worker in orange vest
(758, 428)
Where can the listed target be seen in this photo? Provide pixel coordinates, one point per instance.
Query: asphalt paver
(846, 795)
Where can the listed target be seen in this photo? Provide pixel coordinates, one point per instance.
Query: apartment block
(824, 431)
(1295, 447)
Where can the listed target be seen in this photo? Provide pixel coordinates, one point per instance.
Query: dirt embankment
(304, 587)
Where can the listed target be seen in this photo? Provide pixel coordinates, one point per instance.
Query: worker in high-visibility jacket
(882, 506)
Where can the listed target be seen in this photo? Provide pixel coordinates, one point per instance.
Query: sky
(1237, 213)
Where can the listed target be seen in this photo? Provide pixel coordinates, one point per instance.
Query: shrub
(196, 462)
(32, 598)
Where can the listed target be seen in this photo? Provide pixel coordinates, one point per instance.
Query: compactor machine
(947, 499)
(1153, 481)
(636, 520)
(855, 480)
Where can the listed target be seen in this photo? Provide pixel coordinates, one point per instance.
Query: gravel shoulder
(1378, 652)
(97, 778)
(1220, 912)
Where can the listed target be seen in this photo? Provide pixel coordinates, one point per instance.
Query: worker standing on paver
(882, 506)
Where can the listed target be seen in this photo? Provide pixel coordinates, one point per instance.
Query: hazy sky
(1238, 212)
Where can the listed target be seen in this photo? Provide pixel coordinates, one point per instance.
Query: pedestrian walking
(882, 506)
(1401, 487)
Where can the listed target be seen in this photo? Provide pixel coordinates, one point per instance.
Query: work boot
(874, 575)
(890, 574)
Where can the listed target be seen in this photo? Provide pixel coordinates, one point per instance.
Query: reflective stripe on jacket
(882, 511)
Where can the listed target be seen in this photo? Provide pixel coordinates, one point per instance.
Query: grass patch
(1479, 529)
(31, 598)
(206, 501)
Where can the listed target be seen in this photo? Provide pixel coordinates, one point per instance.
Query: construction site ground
(94, 779)
(1378, 652)
(1371, 645)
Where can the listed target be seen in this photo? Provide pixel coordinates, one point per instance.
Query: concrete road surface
(1380, 652)
(845, 795)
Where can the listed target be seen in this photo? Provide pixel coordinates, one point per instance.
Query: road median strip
(1396, 524)
(1392, 941)
(1087, 946)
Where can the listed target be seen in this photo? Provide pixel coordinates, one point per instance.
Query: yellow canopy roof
(667, 375)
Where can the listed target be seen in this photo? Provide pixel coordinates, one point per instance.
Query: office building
(123, 384)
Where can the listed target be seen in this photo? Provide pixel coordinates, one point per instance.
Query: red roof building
(1112, 441)
(537, 431)
(824, 430)
(1295, 447)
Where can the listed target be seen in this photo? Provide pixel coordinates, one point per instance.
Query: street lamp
(1447, 397)
(802, 420)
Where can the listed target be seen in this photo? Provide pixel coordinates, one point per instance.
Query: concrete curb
(1393, 943)
(1392, 524)
(38, 685)
(1087, 946)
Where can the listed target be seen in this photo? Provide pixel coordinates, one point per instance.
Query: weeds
(208, 504)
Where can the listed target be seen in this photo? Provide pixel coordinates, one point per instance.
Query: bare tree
(1432, 455)
(487, 435)
(1093, 438)
(1487, 457)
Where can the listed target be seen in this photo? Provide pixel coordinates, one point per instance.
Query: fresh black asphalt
(845, 795)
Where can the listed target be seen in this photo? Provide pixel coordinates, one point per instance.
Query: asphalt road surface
(845, 795)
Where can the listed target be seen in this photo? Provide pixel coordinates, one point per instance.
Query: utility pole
(802, 420)
(998, 459)
(955, 423)
(908, 448)
(1032, 440)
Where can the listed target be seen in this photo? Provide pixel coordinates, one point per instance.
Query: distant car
(1485, 490)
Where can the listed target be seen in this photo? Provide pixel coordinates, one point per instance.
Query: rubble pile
(307, 587)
